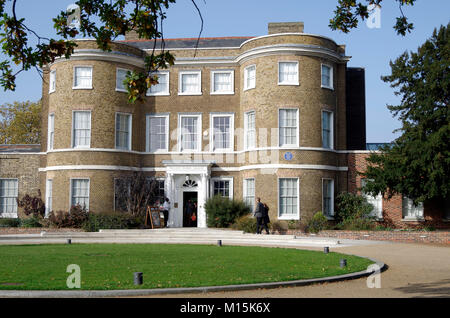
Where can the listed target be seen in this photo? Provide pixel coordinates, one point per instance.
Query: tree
(348, 12)
(417, 163)
(112, 19)
(20, 123)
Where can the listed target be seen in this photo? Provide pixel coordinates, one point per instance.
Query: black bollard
(138, 278)
(343, 263)
(326, 249)
(219, 242)
(69, 241)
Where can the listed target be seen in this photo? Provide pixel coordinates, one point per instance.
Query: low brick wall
(440, 237)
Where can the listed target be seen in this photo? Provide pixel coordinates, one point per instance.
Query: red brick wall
(392, 208)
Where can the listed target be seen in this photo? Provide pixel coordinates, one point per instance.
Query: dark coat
(259, 210)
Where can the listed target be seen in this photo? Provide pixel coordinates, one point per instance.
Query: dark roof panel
(20, 148)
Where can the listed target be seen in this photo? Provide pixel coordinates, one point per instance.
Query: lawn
(111, 266)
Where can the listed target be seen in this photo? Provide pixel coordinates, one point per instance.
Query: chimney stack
(285, 27)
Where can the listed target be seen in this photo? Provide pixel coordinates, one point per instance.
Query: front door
(190, 209)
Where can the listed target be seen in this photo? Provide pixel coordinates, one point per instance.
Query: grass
(111, 266)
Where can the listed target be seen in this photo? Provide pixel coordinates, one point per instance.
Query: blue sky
(370, 48)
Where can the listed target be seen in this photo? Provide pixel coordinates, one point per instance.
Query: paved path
(414, 271)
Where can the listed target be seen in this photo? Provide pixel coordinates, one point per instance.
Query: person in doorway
(166, 209)
(259, 210)
(189, 212)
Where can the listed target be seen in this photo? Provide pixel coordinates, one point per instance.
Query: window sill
(328, 87)
(287, 218)
(413, 219)
(249, 88)
(222, 93)
(8, 216)
(121, 90)
(78, 88)
(190, 94)
(50, 92)
(289, 84)
(159, 94)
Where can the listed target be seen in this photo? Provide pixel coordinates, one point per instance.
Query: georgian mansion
(279, 116)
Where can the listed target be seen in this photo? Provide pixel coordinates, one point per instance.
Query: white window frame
(230, 189)
(73, 129)
(290, 217)
(130, 131)
(378, 214)
(11, 214)
(118, 89)
(199, 132)
(246, 130)
(296, 82)
(166, 92)
(88, 191)
(246, 77)
(180, 82)
(231, 91)
(245, 193)
(75, 76)
(212, 133)
(409, 203)
(297, 144)
(147, 135)
(50, 131)
(52, 82)
(331, 86)
(331, 216)
(331, 128)
(48, 196)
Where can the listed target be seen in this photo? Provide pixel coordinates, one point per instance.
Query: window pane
(158, 134)
(80, 193)
(222, 82)
(189, 133)
(123, 131)
(120, 77)
(288, 197)
(288, 72)
(250, 133)
(190, 83)
(410, 210)
(288, 127)
(83, 77)
(250, 74)
(326, 129)
(8, 196)
(326, 76)
(222, 188)
(82, 129)
(376, 201)
(162, 87)
(221, 132)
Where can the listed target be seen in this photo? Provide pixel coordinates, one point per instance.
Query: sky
(370, 47)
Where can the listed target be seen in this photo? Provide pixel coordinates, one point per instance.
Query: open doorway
(190, 209)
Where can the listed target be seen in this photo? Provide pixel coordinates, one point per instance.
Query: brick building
(279, 116)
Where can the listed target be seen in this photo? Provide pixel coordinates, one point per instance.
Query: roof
(20, 148)
(189, 43)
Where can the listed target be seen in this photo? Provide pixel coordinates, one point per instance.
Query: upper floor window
(190, 83)
(249, 130)
(190, 127)
(411, 211)
(8, 198)
(51, 131)
(222, 128)
(81, 129)
(288, 127)
(288, 73)
(123, 131)
(162, 88)
(52, 82)
(250, 77)
(327, 129)
(82, 77)
(157, 133)
(121, 75)
(327, 76)
(222, 82)
(328, 197)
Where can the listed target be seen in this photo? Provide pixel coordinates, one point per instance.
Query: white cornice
(99, 55)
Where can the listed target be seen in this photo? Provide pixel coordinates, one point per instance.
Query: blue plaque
(288, 156)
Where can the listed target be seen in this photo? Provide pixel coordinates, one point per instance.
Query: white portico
(187, 178)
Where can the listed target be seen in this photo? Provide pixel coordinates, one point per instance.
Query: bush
(279, 226)
(354, 212)
(33, 221)
(74, 218)
(245, 223)
(32, 205)
(95, 222)
(317, 223)
(222, 212)
(9, 222)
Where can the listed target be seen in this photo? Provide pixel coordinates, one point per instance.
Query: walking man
(166, 209)
(259, 213)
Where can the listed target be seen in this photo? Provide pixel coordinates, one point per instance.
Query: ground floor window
(411, 211)
(222, 187)
(80, 193)
(288, 198)
(328, 197)
(376, 201)
(249, 193)
(8, 197)
(49, 197)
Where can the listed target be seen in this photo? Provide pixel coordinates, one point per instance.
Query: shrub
(33, 221)
(222, 212)
(245, 223)
(353, 212)
(74, 218)
(95, 222)
(317, 223)
(32, 205)
(279, 226)
(9, 222)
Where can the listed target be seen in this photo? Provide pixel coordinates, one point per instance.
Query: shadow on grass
(440, 289)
